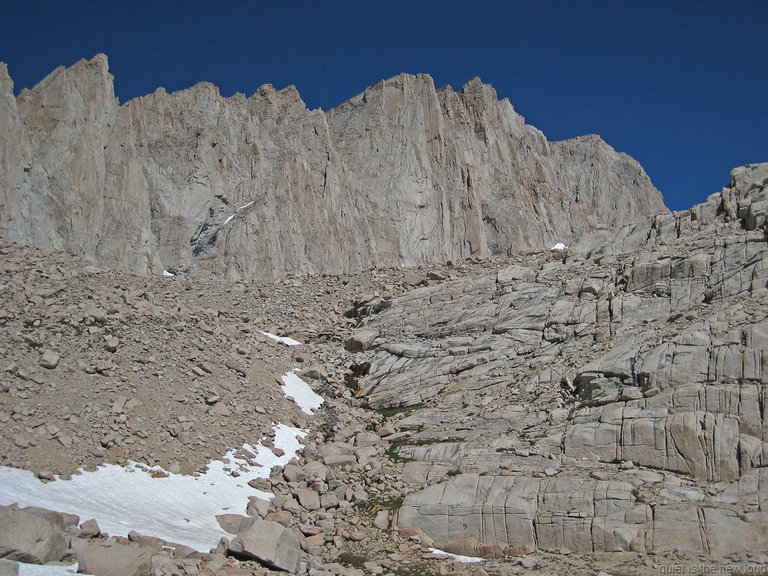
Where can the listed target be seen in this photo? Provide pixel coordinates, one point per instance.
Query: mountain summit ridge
(261, 187)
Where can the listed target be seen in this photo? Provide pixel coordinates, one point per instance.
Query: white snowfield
(457, 557)
(559, 246)
(45, 570)
(176, 508)
(305, 398)
(282, 339)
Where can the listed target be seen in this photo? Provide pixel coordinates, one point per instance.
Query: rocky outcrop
(581, 371)
(262, 187)
(34, 535)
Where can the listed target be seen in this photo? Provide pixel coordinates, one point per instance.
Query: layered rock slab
(527, 513)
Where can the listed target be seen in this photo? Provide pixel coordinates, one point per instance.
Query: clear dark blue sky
(681, 86)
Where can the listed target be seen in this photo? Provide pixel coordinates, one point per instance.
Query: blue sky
(680, 86)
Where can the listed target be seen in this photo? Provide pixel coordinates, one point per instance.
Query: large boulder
(269, 543)
(32, 535)
(115, 560)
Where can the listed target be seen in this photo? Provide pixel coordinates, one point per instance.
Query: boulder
(270, 543)
(309, 499)
(115, 560)
(49, 359)
(360, 340)
(32, 535)
(89, 529)
(233, 523)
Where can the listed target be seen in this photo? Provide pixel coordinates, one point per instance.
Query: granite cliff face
(262, 187)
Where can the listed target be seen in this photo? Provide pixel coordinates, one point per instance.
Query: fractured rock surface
(646, 346)
(526, 513)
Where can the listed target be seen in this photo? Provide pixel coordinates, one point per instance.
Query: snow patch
(46, 570)
(176, 508)
(169, 274)
(559, 246)
(243, 207)
(302, 394)
(458, 557)
(282, 339)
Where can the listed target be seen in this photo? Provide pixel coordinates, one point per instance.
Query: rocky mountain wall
(562, 411)
(262, 187)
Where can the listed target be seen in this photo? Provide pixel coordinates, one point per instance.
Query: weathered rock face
(550, 387)
(261, 187)
(63, 187)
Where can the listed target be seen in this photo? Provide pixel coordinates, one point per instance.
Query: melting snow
(559, 246)
(166, 273)
(176, 508)
(302, 394)
(282, 339)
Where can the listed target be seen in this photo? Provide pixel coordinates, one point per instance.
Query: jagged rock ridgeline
(262, 187)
